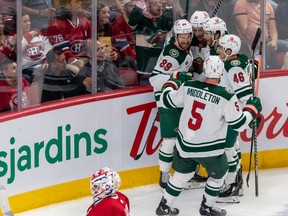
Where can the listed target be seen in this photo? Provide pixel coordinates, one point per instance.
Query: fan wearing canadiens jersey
(107, 200)
(35, 46)
(8, 86)
(69, 31)
(176, 56)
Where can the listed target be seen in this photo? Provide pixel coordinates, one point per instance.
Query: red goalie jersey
(117, 205)
(70, 37)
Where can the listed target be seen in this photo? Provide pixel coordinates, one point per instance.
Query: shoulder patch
(235, 63)
(229, 90)
(174, 53)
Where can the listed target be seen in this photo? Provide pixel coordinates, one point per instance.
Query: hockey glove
(182, 76)
(254, 107)
(258, 122)
(174, 83)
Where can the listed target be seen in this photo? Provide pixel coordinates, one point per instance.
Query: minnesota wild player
(214, 28)
(199, 46)
(237, 77)
(176, 56)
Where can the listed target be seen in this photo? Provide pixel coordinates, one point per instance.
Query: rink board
(49, 153)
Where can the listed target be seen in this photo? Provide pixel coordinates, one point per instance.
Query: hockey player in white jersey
(207, 111)
(176, 56)
(214, 28)
(236, 77)
(200, 52)
(199, 47)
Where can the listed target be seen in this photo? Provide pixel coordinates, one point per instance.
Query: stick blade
(256, 39)
(137, 157)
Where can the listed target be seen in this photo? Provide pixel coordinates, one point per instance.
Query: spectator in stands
(58, 82)
(104, 34)
(123, 38)
(40, 12)
(8, 86)
(281, 20)
(35, 46)
(7, 44)
(108, 77)
(121, 31)
(69, 30)
(150, 28)
(247, 16)
(103, 22)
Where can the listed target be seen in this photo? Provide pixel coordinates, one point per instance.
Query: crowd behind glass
(59, 57)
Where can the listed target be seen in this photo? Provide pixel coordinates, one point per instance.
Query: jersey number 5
(195, 122)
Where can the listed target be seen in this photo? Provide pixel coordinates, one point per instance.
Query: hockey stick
(255, 122)
(139, 155)
(4, 202)
(217, 6)
(254, 129)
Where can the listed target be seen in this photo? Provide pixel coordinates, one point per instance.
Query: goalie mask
(213, 67)
(104, 182)
(199, 18)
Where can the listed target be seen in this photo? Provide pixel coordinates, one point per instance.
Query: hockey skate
(164, 209)
(229, 194)
(210, 211)
(164, 178)
(196, 182)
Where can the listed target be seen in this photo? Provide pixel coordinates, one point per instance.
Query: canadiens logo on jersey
(77, 46)
(14, 101)
(34, 51)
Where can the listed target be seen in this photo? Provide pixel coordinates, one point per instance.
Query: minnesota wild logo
(235, 63)
(174, 53)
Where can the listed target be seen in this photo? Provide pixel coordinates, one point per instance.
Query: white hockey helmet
(104, 182)
(215, 24)
(213, 67)
(182, 26)
(199, 18)
(231, 42)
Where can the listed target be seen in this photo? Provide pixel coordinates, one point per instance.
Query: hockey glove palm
(182, 76)
(174, 83)
(254, 107)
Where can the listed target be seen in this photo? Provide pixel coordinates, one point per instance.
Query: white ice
(272, 199)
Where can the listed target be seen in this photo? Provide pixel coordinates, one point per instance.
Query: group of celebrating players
(202, 87)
